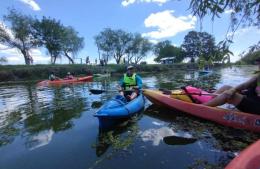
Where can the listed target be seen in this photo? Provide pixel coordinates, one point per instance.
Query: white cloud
(9, 32)
(32, 4)
(129, 2)
(229, 11)
(248, 36)
(157, 135)
(150, 59)
(15, 57)
(244, 31)
(167, 24)
(153, 41)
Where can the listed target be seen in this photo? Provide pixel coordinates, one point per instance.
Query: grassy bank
(37, 72)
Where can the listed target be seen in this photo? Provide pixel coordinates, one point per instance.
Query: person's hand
(119, 88)
(230, 93)
(135, 88)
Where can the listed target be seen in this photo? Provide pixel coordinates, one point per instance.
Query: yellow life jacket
(129, 81)
(177, 94)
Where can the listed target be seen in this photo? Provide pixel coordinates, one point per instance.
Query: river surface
(54, 128)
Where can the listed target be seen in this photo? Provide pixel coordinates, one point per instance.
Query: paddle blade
(96, 91)
(175, 140)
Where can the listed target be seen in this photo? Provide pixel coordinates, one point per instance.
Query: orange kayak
(64, 81)
(222, 116)
(247, 159)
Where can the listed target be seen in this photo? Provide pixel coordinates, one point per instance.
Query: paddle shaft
(199, 94)
(100, 91)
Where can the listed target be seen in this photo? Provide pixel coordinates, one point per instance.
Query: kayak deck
(222, 116)
(117, 109)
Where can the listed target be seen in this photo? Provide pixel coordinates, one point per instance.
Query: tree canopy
(164, 49)
(58, 39)
(21, 35)
(119, 44)
(199, 44)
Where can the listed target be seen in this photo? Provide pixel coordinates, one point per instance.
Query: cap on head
(68, 73)
(130, 67)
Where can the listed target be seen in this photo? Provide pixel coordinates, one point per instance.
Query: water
(54, 127)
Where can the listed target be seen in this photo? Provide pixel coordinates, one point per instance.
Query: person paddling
(53, 77)
(69, 76)
(130, 84)
(246, 96)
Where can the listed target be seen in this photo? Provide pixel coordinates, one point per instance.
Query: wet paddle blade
(96, 91)
(175, 140)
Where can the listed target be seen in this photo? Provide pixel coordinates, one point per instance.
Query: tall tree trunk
(54, 59)
(26, 57)
(70, 59)
(117, 58)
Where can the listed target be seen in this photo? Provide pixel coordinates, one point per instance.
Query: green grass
(37, 72)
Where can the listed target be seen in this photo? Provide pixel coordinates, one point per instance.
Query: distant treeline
(40, 72)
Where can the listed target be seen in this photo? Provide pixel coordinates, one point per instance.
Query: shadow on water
(176, 140)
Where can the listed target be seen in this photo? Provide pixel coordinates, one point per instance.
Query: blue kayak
(205, 72)
(118, 109)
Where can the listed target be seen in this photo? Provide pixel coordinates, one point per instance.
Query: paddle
(100, 91)
(176, 140)
(169, 92)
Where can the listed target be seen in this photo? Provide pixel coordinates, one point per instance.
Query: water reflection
(157, 135)
(35, 122)
(119, 138)
(36, 113)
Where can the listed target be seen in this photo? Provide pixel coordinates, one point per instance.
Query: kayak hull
(117, 110)
(247, 159)
(225, 117)
(65, 81)
(205, 72)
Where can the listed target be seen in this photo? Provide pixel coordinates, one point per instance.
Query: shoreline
(11, 74)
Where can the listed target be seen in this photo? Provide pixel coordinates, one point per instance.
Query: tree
(71, 43)
(50, 33)
(21, 35)
(244, 13)
(113, 43)
(222, 53)
(159, 46)
(138, 48)
(250, 57)
(198, 44)
(3, 60)
(169, 50)
(58, 39)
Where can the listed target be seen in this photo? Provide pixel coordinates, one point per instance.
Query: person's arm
(139, 82)
(246, 84)
(121, 84)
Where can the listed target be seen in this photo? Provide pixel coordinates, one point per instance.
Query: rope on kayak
(189, 95)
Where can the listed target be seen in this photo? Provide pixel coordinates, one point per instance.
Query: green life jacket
(129, 81)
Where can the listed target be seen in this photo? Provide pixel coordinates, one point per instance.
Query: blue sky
(155, 19)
